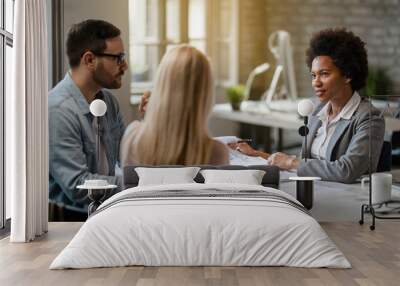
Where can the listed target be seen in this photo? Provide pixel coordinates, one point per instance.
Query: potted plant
(235, 95)
(378, 82)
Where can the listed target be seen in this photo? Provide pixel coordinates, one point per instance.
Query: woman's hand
(247, 150)
(244, 148)
(284, 161)
(143, 102)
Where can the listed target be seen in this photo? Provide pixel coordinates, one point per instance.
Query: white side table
(97, 194)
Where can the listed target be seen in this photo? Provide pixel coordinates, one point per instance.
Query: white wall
(115, 12)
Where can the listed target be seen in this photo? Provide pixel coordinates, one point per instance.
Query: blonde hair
(174, 130)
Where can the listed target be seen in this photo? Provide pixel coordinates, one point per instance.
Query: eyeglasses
(121, 57)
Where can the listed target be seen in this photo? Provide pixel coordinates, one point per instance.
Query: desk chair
(385, 159)
(60, 212)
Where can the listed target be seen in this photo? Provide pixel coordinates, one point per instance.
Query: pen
(244, 140)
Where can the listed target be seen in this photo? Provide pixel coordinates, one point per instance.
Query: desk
(255, 113)
(252, 112)
(258, 114)
(335, 201)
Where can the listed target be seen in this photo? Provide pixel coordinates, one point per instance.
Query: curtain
(27, 124)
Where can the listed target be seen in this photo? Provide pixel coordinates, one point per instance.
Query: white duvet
(200, 231)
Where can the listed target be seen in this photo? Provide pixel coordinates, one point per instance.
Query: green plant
(378, 82)
(235, 94)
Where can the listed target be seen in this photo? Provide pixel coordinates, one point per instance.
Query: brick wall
(252, 40)
(377, 22)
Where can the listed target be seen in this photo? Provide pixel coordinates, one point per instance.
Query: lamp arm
(249, 83)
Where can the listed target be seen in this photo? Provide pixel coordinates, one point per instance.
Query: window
(156, 25)
(6, 44)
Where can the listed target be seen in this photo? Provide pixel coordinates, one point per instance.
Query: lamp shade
(305, 107)
(98, 107)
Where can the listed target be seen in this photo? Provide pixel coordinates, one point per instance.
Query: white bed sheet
(200, 231)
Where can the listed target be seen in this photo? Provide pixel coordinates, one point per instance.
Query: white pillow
(164, 176)
(248, 177)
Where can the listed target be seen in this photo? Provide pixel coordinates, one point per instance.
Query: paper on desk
(238, 158)
(227, 139)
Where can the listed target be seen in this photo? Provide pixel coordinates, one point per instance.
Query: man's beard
(104, 80)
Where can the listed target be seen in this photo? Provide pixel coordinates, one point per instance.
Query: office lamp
(258, 70)
(281, 94)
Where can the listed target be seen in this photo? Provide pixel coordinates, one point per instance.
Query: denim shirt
(72, 142)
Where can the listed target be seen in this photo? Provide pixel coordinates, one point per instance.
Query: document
(227, 139)
(238, 158)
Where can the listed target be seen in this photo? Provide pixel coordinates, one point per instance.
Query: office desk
(255, 113)
(335, 201)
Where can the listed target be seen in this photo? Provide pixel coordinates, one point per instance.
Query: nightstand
(96, 194)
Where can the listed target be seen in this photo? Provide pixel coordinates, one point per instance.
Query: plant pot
(236, 105)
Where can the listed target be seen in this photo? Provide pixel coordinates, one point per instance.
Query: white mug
(381, 187)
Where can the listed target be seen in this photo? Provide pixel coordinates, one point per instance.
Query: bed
(202, 223)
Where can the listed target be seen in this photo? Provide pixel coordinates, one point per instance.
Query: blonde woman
(174, 129)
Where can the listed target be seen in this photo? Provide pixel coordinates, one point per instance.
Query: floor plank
(374, 255)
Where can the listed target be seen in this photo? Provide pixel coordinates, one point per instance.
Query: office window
(197, 24)
(147, 46)
(226, 41)
(172, 21)
(6, 60)
(155, 26)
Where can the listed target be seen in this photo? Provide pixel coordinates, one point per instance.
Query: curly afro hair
(346, 50)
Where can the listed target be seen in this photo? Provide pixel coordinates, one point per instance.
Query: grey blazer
(347, 152)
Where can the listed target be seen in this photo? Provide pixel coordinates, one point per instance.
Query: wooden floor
(374, 255)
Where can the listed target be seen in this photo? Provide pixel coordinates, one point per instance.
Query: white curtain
(26, 124)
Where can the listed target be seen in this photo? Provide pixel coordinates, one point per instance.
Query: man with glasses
(97, 62)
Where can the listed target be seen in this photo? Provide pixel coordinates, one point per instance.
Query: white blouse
(325, 132)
